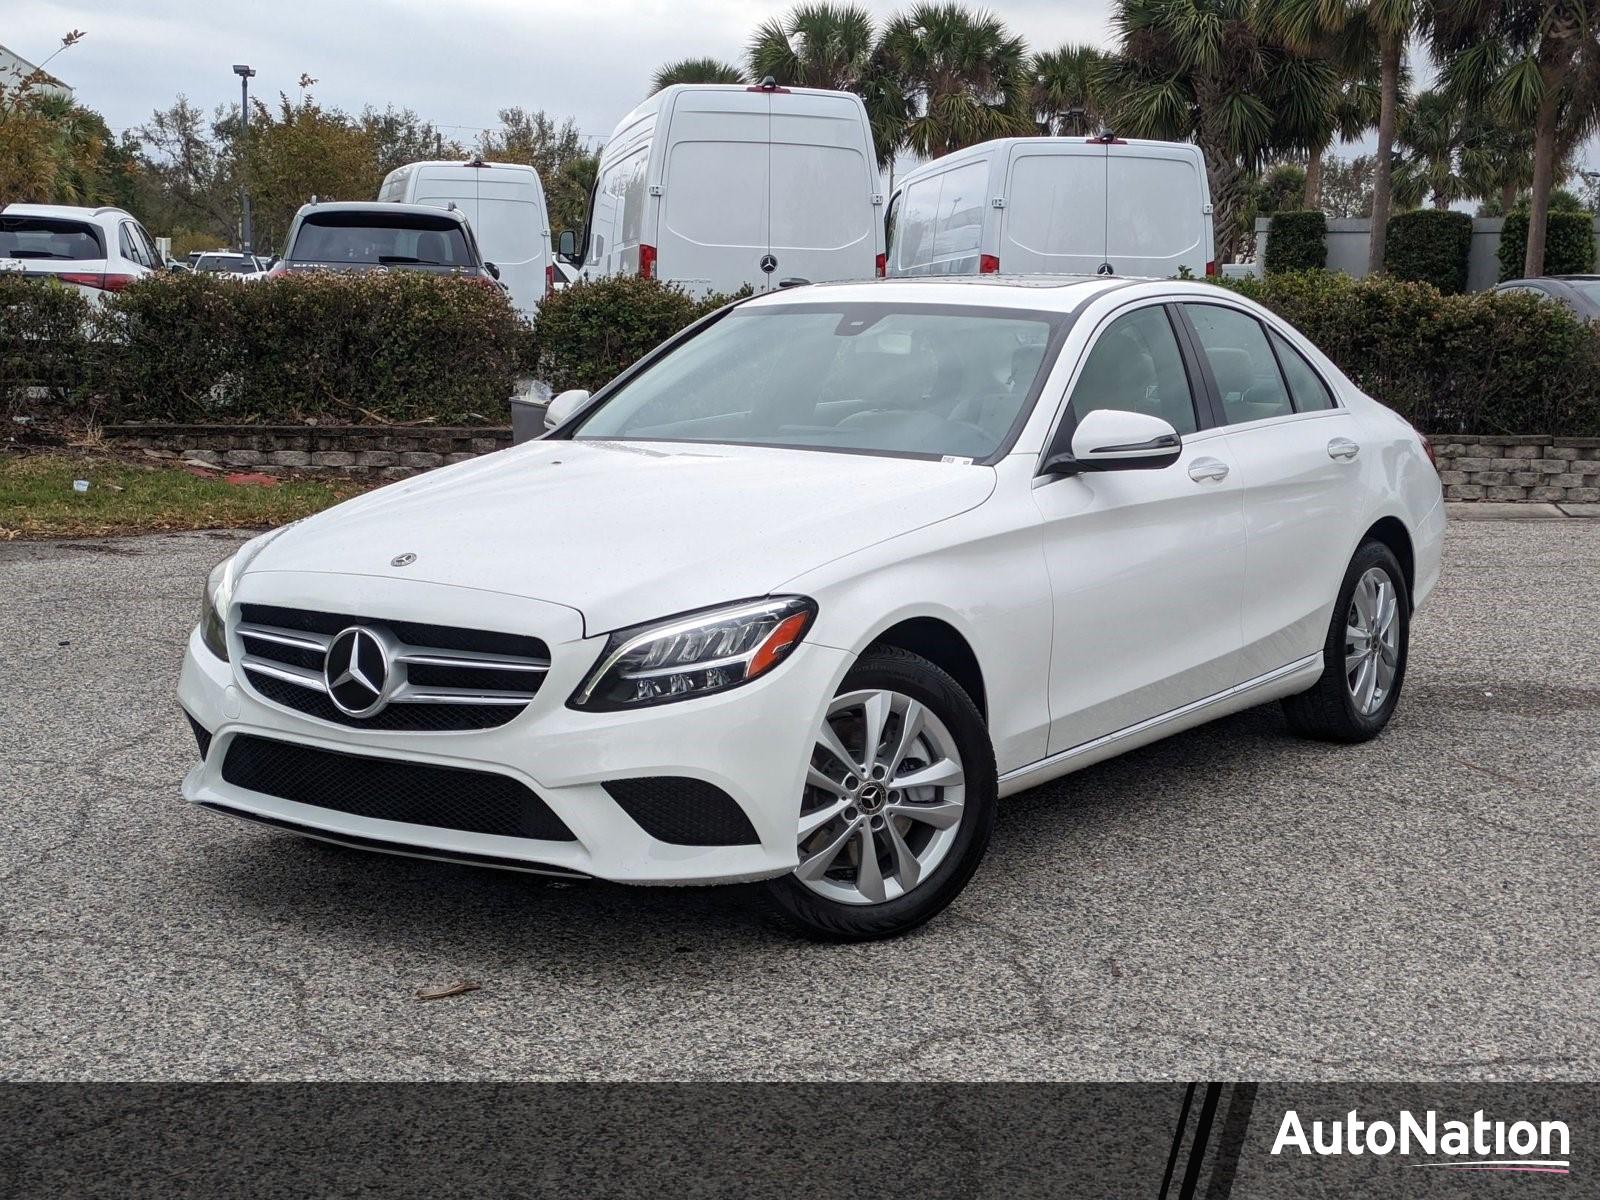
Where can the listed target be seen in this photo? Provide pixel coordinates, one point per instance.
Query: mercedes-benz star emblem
(402, 560)
(769, 264)
(357, 672)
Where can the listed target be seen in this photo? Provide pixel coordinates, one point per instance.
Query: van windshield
(923, 380)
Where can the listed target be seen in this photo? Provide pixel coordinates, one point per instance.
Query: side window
(1135, 366)
(1241, 362)
(1306, 388)
(151, 254)
(125, 242)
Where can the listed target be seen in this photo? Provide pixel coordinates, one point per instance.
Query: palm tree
(696, 70)
(832, 46)
(1432, 130)
(1534, 64)
(1068, 90)
(963, 75)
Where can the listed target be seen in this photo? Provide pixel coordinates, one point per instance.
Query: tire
(1333, 709)
(946, 727)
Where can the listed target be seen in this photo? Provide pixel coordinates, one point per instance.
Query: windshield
(920, 380)
(382, 239)
(49, 238)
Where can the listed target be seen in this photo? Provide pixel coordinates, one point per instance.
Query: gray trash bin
(528, 403)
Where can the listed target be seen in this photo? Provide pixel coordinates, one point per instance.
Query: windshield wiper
(34, 254)
(403, 258)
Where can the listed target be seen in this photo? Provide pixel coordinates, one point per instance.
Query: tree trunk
(1383, 174)
(1508, 197)
(1313, 195)
(1226, 177)
(1544, 171)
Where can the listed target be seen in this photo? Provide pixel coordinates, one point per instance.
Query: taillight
(988, 264)
(1211, 267)
(549, 279)
(647, 261)
(880, 266)
(109, 283)
(115, 283)
(80, 279)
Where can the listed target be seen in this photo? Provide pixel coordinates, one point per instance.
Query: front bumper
(753, 743)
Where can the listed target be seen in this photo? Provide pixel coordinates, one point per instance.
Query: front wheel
(898, 805)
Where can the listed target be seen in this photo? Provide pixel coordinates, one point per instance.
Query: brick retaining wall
(1529, 467)
(1534, 468)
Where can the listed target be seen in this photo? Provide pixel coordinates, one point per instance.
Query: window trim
(1267, 327)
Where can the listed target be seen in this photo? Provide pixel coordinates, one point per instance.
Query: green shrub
(1568, 244)
(588, 333)
(1430, 246)
(1297, 240)
(391, 347)
(1485, 363)
(43, 346)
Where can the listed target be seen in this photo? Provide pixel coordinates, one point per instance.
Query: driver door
(1146, 566)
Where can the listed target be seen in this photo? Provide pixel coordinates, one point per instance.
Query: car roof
(1046, 293)
(70, 212)
(381, 208)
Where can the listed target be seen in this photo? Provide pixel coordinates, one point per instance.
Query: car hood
(626, 532)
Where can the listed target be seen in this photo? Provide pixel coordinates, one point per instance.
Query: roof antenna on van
(1105, 136)
(768, 84)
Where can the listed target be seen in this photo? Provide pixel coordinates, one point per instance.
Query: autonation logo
(1476, 1145)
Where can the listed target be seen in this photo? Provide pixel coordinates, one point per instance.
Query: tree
(50, 148)
(302, 150)
(555, 150)
(1347, 186)
(696, 70)
(963, 76)
(1431, 132)
(1535, 64)
(399, 136)
(192, 179)
(1068, 90)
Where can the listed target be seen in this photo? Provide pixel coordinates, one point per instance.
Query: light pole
(244, 73)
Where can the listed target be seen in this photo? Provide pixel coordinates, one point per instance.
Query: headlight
(695, 654)
(214, 608)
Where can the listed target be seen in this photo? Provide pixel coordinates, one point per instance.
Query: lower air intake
(685, 812)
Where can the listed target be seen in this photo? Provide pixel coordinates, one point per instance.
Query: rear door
(1055, 216)
(1297, 452)
(73, 250)
(513, 234)
(1157, 201)
(939, 222)
(714, 227)
(821, 216)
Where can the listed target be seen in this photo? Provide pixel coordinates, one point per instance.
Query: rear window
(1058, 204)
(717, 193)
(382, 239)
(225, 263)
(1157, 207)
(49, 238)
(819, 197)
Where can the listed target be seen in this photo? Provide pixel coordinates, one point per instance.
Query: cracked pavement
(1230, 903)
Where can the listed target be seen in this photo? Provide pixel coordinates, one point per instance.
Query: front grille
(446, 679)
(683, 811)
(202, 735)
(390, 790)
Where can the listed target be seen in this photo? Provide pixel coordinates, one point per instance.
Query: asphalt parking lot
(1231, 903)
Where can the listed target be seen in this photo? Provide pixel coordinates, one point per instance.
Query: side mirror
(1110, 439)
(564, 407)
(567, 246)
(492, 269)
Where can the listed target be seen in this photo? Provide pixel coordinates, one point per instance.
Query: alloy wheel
(884, 798)
(1372, 641)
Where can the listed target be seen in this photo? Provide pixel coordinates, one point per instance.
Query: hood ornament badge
(402, 560)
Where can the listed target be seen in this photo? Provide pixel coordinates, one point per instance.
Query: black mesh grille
(685, 812)
(397, 718)
(202, 735)
(388, 790)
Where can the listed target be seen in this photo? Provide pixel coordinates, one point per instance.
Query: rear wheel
(898, 804)
(1364, 655)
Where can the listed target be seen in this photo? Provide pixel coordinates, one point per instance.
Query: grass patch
(37, 499)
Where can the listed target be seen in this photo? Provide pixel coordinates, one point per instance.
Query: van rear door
(505, 209)
(713, 225)
(1159, 197)
(821, 217)
(1055, 216)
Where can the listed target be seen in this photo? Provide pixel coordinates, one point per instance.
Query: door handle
(1343, 448)
(1202, 469)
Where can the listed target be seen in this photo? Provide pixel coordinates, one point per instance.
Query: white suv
(96, 250)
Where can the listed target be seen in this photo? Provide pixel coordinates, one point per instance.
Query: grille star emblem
(356, 672)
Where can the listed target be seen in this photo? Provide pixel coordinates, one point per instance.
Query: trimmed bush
(44, 345)
(1485, 363)
(1568, 244)
(1430, 246)
(1297, 240)
(393, 347)
(589, 332)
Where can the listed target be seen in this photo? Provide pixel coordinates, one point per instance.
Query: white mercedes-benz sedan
(801, 595)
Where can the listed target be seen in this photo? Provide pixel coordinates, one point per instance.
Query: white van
(504, 204)
(1055, 206)
(713, 187)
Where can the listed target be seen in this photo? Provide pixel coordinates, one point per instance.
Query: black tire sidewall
(1371, 554)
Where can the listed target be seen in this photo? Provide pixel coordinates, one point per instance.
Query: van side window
(1306, 388)
(1136, 366)
(942, 225)
(1242, 363)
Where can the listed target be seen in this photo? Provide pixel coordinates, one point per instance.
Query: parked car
(1055, 205)
(227, 262)
(718, 187)
(504, 204)
(1580, 293)
(372, 236)
(95, 250)
(802, 594)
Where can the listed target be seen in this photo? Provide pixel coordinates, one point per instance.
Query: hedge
(1568, 244)
(44, 328)
(587, 333)
(393, 347)
(1297, 240)
(1430, 246)
(1485, 363)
